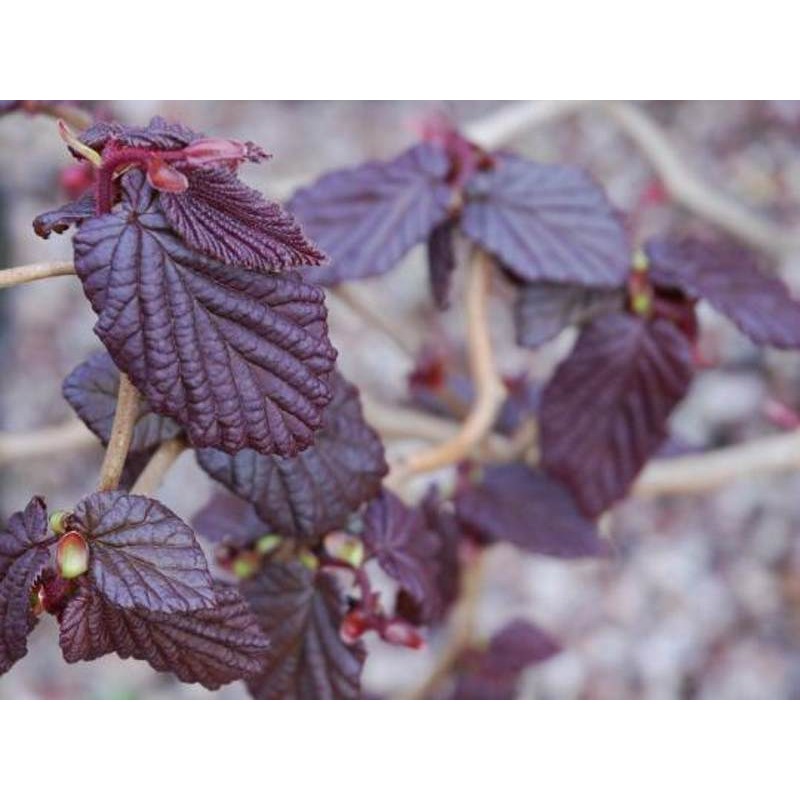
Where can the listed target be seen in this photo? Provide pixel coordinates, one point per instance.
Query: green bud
(308, 560)
(72, 555)
(58, 522)
(268, 544)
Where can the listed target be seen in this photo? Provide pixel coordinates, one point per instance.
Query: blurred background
(701, 598)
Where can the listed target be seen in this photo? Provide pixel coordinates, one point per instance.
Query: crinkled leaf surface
(225, 519)
(314, 492)
(729, 278)
(210, 646)
(544, 309)
(142, 555)
(60, 219)
(605, 410)
(517, 504)
(23, 556)
(158, 134)
(238, 358)
(368, 217)
(301, 612)
(441, 262)
(546, 222)
(91, 389)
(406, 550)
(222, 217)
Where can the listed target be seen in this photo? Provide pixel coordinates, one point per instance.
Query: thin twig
(489, 389)
(34, 272)
(121, 435)
(68, 436)
(158, 466)
(687, 188)
(460, 631)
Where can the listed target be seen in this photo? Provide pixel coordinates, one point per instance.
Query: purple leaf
(494, 673)
(23, 556)
(142, 555)
(226, 519)
(441, 262)
(227, 220)
(605, 411)
(158, 134)
(544, 309)
(301, 612)
(546, 222)
(91, 389)
(406, 550)
(240, 359)
(368, 217)
(729, 278)
(210, 646)
(516, 504)
(60, 219)
(314, 492)
(446, 567)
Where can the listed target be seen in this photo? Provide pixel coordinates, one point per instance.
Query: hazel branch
(16, 276)
(158, 466)
(121, 435)
(489, 389)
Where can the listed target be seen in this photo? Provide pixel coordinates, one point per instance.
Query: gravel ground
(701, 598)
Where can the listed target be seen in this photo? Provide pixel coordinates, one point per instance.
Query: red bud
(72, 555)
(355, 624)
(165, 178)
(397, 631)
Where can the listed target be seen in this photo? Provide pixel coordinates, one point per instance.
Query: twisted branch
(34, 272)
(119, 442)
(158, 466)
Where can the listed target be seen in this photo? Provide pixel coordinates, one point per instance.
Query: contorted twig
(158, 466)
(121, 435)
(34, 272)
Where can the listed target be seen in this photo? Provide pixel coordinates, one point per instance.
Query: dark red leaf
(301, 612)
(227, 220)
(544, 309)
(516, 504)
(225, 519)
(406, 550)
(441, 262)
(142, 555)
(240, 359)
(23, 557)
(314, 492)
(60, 219)
(210, 646)
(729, 278)
(91, 389)
(546, 222)
(605, 411)
(368, 217)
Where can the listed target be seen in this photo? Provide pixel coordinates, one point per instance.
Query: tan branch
(121, 435)
(688, 189)
(489, 390)
(67, 436)
(158, 466)
(34, 272)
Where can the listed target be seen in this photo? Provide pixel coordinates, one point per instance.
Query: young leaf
(227, 220)
(604, 412)
(91, 389)
(544, 309)
(314, 492)
(60, 219)
(729, 278)
(240, 359)
(516, 504)
(441, 262)
(301, 612)
(210, 646)
(546, 222)
(23, 557)
(158, 134)
(142, 555)
(225, 519)
(368, 217)
(406, 550)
